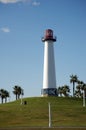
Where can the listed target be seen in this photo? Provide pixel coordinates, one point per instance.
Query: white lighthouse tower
(49, 76)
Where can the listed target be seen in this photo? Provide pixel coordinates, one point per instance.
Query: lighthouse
(49, 76)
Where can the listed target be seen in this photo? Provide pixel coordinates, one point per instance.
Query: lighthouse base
(49, 92)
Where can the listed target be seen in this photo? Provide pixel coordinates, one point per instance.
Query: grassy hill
(65, 112)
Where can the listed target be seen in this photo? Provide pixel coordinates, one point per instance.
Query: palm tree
(80, 87)
(78, 92)
(4, 94)
(18, 91)
(15, 91)
(84, 88)
(60, 91)
(73, 79)
(64, 90)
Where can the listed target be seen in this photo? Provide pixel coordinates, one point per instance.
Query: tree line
(78, 84)
(17, 91)
(61, 90)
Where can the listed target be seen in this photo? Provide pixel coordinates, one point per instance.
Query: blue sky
(22, 24)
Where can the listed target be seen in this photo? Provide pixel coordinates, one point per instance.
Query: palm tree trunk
(2, 100)
(16, 96)
(73, 88)
(5, 100)
(85, 93)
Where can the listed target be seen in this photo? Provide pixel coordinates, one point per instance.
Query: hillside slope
(65, 112)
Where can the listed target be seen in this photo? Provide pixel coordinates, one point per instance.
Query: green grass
(65, 112)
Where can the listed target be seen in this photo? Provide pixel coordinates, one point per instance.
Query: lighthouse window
(50, 33)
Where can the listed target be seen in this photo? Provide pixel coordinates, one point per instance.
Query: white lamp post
(83, 98)
(50, 124)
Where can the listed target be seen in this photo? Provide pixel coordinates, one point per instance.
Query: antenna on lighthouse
(49, 76)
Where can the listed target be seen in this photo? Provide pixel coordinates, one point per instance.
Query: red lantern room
(49, 36)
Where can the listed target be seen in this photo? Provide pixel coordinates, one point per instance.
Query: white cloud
(35, 3)
(5, 29)
(13, 1)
